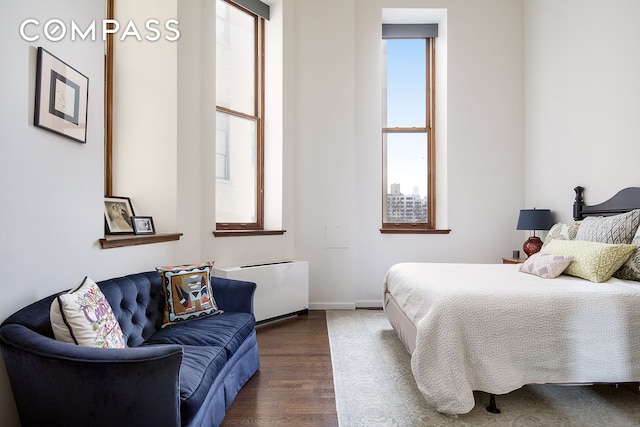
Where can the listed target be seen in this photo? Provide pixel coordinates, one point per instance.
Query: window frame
(430, 131)
(258, 116)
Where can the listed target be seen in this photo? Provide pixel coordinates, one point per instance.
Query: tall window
(239, 117)
(408, 133)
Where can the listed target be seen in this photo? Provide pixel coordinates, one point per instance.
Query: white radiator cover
(282, 287)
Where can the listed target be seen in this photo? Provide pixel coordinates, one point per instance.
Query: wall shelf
(121, 240)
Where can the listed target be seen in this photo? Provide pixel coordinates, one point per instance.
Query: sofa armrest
(56, 383)
(233, 295)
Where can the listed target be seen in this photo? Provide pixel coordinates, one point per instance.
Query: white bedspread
(489, 327)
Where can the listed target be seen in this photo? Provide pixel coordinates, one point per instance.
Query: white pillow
(546, 266)
(83, 316)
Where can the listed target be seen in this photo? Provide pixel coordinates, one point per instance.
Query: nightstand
(512, 260)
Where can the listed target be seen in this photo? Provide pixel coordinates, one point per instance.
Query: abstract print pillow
(83, 316)
(187, 291)
(546, 266)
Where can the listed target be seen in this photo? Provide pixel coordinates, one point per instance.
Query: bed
(493, 328)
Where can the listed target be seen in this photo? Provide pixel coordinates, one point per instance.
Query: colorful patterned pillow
(545, 265)
(187, 291)
(630, 270)
(83, 316)
(562, 231)
(610, 229)
(593, 261)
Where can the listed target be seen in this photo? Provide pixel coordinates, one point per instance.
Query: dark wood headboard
(624, 200)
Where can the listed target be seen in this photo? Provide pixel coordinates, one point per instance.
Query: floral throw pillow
(83, 316)
(562, 231)
(546, 266)
(187, 291)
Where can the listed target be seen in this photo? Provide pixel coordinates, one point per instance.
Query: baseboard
(332, 306)
(369, 304)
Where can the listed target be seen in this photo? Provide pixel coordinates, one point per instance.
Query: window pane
(236, 193)
(235, 58)
(405, 90)
(407, 176)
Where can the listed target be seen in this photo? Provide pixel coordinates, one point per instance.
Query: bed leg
(492, 404)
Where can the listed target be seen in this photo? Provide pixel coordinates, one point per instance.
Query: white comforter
(489, 327)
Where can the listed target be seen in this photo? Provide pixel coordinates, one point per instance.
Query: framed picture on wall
(117, 215)
(62, 93)
(143, 225)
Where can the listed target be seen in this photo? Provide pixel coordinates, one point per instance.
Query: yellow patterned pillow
(593, 261)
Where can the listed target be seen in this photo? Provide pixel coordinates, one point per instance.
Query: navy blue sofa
(181, 375)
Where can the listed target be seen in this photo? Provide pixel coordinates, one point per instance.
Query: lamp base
(532, 245)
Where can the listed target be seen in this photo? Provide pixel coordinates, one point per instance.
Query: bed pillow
(593, 261)
(546, 266)
(83, 316)
(610, 229)
(630, 270)
(562, 231)
(187, 291)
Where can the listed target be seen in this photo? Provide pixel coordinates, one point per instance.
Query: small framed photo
(117, 215)
(62, 93)
(143, 225)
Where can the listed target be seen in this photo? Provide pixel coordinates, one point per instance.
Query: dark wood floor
(294, 386)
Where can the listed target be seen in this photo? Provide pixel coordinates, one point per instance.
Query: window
(239, 117)
(408, 131)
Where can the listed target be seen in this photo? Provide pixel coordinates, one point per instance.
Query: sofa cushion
(188, 293)
(198, 371)
(83, 316)
(227, 330)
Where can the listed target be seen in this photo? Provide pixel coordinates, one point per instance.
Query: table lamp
(534, 219)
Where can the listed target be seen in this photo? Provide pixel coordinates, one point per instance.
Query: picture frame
(117, 215)
(62, 94)
(143, 225)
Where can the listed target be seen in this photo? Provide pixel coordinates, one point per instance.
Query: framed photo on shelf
(117, 215)
(62, 93)
(143, 225)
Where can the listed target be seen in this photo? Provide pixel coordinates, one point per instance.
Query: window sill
(412, 231)
(118, 241)
(240, 233)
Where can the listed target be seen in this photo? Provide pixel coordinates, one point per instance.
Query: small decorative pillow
(630, 270)
(187, 291)
(545, 265)
(593, 261)
(83, 316)
(610, 229)
(562, 231)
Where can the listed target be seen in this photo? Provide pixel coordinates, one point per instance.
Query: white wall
(339, 146)
(571, 73)
(582, 100)
(52, 187)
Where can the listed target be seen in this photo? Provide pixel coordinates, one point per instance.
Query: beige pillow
(593, 261)
(545, 265)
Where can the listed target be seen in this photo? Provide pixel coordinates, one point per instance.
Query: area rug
(374, 386)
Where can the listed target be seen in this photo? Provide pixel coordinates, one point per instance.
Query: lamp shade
(534, 219)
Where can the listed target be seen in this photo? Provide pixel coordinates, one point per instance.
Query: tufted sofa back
(136, 300)
(138, 304)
